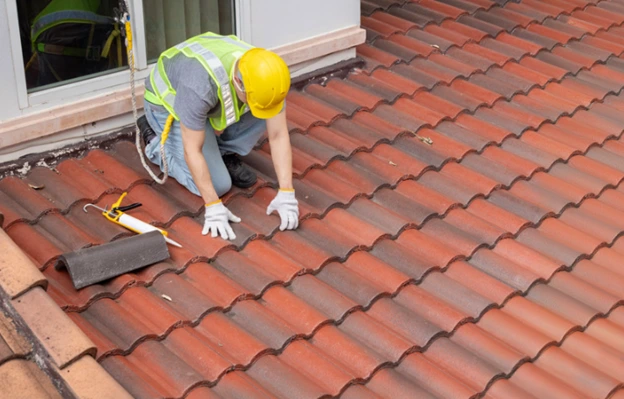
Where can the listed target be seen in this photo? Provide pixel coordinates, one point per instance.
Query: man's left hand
(287, 207)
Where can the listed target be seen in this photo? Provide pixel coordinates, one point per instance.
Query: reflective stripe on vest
(222, 78)
(162, 87)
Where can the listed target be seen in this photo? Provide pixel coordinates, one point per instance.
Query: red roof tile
(487, 263)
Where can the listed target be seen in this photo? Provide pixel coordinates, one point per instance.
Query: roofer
(209, 83)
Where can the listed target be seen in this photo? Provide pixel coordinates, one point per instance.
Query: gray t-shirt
(197, 95)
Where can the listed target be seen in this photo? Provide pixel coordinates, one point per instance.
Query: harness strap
(47, 21)
(152, 98)
(62, 50)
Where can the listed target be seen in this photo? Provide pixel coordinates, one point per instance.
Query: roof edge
(66, 355)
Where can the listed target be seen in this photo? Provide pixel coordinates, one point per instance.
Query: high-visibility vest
(218, 55)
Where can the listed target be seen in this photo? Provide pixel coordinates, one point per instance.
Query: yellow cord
(166, 129)
(129, 35)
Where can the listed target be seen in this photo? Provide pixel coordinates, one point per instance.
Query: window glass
(68, 40)
(170, 22)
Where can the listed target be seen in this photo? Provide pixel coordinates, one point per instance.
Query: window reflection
(64, 41)
(69, 40)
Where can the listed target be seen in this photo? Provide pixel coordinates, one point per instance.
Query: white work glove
(287, 207)
(217, 221)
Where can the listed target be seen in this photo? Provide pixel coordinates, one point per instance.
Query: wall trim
(52, 121)
(322, 45)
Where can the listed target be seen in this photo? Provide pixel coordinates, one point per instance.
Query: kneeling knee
(223, 186)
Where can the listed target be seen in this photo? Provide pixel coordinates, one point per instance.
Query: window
(169, 22)
(66, 41)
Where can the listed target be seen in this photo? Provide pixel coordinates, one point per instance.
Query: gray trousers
(239, 138)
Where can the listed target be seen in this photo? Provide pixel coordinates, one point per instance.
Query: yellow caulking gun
(117, 215)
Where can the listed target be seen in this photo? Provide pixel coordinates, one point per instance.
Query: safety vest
(218, 55)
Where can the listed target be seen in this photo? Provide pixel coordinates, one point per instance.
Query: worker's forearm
(282, 158)
(193, 141)
(201, 175)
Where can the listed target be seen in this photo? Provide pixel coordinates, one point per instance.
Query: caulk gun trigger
(128, 207)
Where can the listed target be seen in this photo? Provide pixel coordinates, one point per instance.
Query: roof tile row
(483, 263)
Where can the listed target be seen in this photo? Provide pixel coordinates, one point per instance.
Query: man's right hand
(217, 221)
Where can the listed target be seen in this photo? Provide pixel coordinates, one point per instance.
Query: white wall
(277, 22)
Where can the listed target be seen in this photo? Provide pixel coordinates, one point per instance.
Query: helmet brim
(266, 113)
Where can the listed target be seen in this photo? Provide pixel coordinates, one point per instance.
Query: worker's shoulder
(182, 65)
(182, 59)
(187, 75)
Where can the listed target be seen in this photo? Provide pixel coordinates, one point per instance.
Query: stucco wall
(278, 22)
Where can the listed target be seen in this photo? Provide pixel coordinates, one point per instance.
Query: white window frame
(75, 91)
(16, 54)
(242, 20)
(94, 85)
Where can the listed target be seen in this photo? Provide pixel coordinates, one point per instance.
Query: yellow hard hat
(266, 79)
